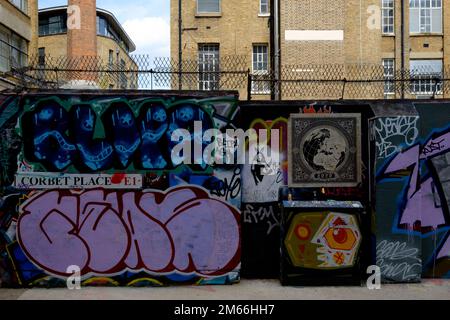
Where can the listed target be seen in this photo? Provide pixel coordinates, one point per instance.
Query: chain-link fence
(353, 82)
(234, 73)
(138, 72)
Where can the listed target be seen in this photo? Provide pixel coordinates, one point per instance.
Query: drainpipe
(180, 50)
(277, 69)
(272, 45)
(402, 39)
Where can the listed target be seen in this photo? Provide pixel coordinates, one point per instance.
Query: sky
(145, 21)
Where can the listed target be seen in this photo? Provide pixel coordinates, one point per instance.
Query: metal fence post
(249, 85)
(403, 83)
(343, 88)
(151, 79)
(56, 75)
(436, 83)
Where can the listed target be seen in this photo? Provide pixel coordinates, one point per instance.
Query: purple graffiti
(422, 207)
(423, 201)
(106, 232)
(436, 146)
(445, 250)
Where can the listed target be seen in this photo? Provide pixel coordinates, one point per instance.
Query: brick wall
(83, 41)
(236, 29)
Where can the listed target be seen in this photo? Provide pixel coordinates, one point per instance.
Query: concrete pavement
(246, 290)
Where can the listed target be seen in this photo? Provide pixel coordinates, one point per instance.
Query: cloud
(132, 9)
(150, 34)
(145, 21)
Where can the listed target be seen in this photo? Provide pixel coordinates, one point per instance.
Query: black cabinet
(324, 242)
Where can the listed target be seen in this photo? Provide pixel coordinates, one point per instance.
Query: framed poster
(324, 150)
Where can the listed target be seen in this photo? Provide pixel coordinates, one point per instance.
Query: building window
(208, 66)
(427, 76)
(387, 16)
(105, 29)
(13, 50)
(102, 26)
(21, 4)
(389, 75)
(41, 56)
(425, 16)
(264, 7)
(52, 24)
(18, 51)
(208, 6)
(111, 58)
(260, 66)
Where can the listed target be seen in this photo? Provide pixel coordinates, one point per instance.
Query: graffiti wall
(435, 184)
(412, 191)
(93, 185)
(262, 181)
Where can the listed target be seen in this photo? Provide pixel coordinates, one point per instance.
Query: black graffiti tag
(433, 147)
(229, 189)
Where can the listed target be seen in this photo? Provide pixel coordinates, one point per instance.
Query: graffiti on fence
(262, 178)
(260, 239)
(106, 233)
(398, 261)
(260, 213)
(422, 191)
(10, 143)
(58, 138)
(313, 108)
(93, 189)
(261, 181)
(112, 134)
(421, 166)
(386, 129)
(224, 183)
(323, 240)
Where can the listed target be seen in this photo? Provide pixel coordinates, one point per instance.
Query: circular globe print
(324, 148)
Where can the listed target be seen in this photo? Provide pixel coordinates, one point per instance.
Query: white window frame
(259, 73)
(110, 58)
(210, 12)
(22, 5)
(424, 83)
(41, 56)
(208, 66)
(388, 17)
(266, 4)
(425, 15)
(389, 75)
(13, 50)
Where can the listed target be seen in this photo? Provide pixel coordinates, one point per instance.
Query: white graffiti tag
(397, 261)
(256, 214)
(388, 132)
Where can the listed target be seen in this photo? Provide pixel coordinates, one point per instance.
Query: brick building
(353, 38)
(97, 41)
(411, 35)
(18, 37)
(215, 32)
